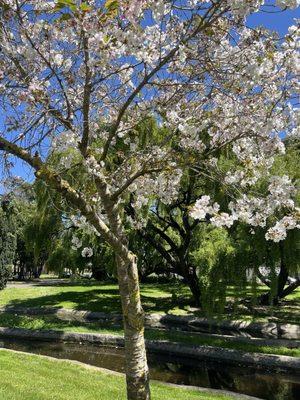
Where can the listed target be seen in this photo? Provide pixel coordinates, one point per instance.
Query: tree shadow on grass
(105, 300)
(166, 304)
(99, 296)
(57, 282)
(92, 300)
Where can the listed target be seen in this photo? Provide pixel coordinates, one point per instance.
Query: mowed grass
(157, 298)
(85, 296)
(30, 377)
(52, 323)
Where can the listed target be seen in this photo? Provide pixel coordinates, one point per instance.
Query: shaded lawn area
(156, 298)
(52, 323)
(30, 377)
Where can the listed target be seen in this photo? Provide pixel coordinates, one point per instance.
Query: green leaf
(65, 3)
(85, 7)
(4, 7)
(65, 17)
(112, 5)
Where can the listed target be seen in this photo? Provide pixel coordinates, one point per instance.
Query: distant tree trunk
(177, 264)
(98, 273)
(37, 271)
(21, 273)
(273, 298)
(192, 281)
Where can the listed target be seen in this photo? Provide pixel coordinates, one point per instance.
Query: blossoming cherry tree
(78, 77)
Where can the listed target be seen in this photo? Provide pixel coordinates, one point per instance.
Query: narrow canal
(267, 385)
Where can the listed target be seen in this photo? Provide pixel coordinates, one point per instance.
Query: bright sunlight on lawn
(39, 378)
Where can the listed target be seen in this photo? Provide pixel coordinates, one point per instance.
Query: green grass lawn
(52, 323)
(156, 298)
(30, 377)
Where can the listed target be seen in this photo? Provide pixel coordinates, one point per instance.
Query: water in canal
(263, 384)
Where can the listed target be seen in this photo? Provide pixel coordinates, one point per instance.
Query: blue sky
(275, 21)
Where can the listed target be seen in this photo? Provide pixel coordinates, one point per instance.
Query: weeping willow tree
(243, 256)
(214, 261)
(48, 234)
(277, 265)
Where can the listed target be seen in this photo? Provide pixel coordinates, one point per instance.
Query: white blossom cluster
(65, 141)
(76, 243)
(279, 231)
(288, 3)
(86, 252)
(204, 207)
(81, 223)
(164, 186)
(255, 211)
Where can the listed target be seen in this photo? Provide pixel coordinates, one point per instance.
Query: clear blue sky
(275, 21)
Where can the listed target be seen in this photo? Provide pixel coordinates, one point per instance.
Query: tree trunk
(289, 289)
(193, 283)
(270, 298)
(98, 273)
(137, 373)
(283, 274)
(188, 272)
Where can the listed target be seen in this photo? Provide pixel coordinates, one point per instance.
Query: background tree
(281, 260)
(8, 242)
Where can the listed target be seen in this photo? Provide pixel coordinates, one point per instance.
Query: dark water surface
(263, 384)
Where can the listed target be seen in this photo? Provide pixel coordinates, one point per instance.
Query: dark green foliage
(8, 243)
(213, 254)
(49, 234)
(149, 260)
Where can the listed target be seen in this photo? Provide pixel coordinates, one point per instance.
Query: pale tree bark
(137, 373)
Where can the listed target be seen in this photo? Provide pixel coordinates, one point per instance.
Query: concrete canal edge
(196, 353)
(196, 324)
(185, 322)
(114, 373)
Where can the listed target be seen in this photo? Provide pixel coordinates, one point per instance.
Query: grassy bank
(156, 298)
(28, 377)
(52, 323)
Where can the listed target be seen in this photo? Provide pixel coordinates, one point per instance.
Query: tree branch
(86, 99)
(264, 280)
(158, 246)
(164, 236)
(289, 289)
(130, 180)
